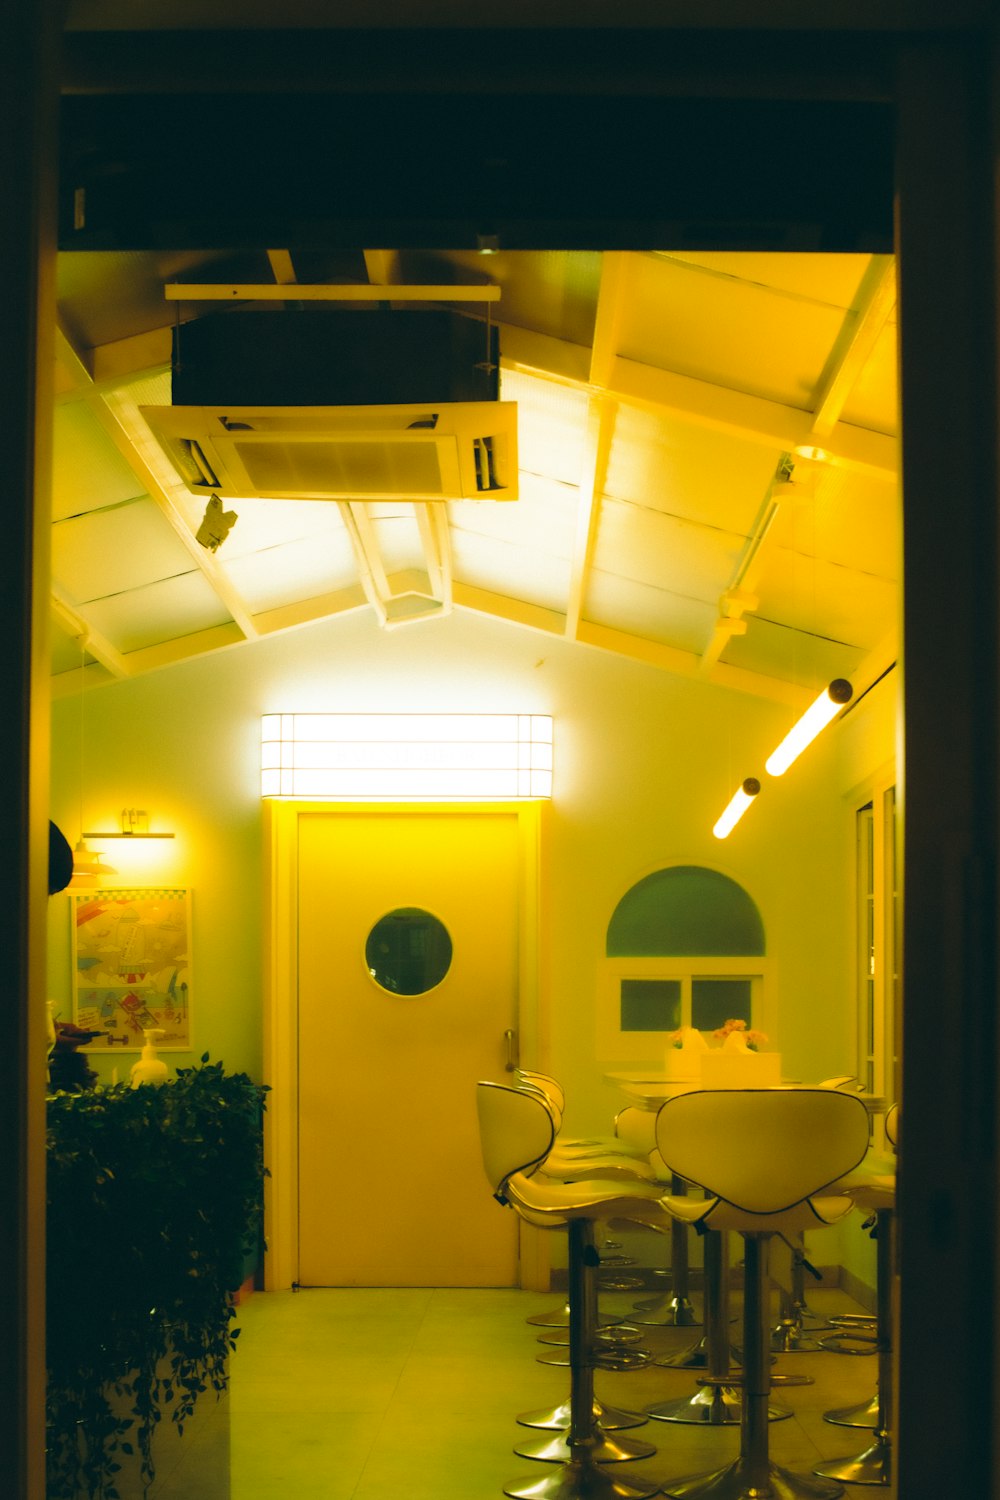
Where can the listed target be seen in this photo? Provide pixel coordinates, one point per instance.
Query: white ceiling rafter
(739, 597)
(599, 428)
(91, 640)
(862, 328)
(115, 415)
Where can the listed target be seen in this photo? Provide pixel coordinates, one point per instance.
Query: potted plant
(154, 1200)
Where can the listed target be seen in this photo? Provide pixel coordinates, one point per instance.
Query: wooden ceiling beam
(92, 641)
(862, 328)
(599, 429)
(698, 403)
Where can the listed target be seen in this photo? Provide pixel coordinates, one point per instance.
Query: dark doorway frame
(941, 81)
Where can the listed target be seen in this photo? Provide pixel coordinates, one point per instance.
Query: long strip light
(816, 717)
(406, 757)
(741, 800)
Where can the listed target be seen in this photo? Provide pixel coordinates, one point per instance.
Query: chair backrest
(553, 1091)
(763, 1150)
(516, 1131)
(636, 1127)
(892, 1124)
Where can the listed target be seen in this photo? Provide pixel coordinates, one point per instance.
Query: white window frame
(616, 1045)
(876, 940)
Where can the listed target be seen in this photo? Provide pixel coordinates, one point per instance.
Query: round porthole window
(408, 951)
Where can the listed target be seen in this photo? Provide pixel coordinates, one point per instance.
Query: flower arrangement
(752, 1039)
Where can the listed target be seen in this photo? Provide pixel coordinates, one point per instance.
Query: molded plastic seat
(516, 1130)
(764, 1158)
(579, 1146)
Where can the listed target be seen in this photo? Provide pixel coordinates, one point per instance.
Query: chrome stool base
(610, 1333)
(601, 1450)
(791, 1338)
(694, 1357)
(559, 1318)
(666, 1311)
(557, 1418)
(739, 1482)
(873, 1466)
(863, 1415)
(713, 1406)
(580, 1480)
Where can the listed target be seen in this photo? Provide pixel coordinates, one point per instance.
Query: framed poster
(132, 966)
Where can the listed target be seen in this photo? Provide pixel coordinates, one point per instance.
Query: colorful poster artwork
(132, 966)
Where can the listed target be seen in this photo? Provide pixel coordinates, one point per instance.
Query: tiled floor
(372, 1394)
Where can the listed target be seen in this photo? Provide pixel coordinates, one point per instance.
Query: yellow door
(408, 968)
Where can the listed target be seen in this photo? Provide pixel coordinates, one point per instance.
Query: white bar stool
(516, 1132)
(763, 1156)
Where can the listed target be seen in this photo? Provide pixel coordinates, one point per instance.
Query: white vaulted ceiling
(707, 454)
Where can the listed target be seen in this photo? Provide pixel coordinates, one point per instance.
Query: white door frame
(281, 838)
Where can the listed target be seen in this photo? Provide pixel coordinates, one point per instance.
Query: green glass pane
(716, 1001)
(685, 911)
(408, 951)
(650, 1004)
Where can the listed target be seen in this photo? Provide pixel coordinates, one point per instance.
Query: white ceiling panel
(163, 611)
(874, 398)
(287, 574)
(822, 278)
(687, 471)
(543, 518)
(88, 472)
(515, 572)
(264, 524)
(849, 519)
(775, 651)
(110, 551)
(551, 426)
(823, 598)
(732, 333)
(695, 561)
(652, 614)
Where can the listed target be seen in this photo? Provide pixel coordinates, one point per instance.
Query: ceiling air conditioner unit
(440, 451)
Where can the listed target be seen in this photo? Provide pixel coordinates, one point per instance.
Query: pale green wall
(644, 763)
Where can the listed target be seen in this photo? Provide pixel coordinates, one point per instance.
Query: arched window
(685, 946)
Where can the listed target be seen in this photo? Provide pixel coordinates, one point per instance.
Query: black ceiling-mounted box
(332, 357)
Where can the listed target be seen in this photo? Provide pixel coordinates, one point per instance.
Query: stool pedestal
(753, 1476)
(717, 1403)
(791, 1335)
(576, 1474)
(874, 1464)
(672, 1309)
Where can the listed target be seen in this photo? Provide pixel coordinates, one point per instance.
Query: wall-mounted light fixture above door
(406, 757)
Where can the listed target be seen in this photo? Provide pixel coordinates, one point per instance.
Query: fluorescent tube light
(741, 800)
(816, 717)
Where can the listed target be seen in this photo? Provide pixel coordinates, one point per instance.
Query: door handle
(510, 1037)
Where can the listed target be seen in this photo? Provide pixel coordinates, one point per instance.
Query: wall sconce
(88, 865)
(740, 801)
(407, 757)
(816, 717)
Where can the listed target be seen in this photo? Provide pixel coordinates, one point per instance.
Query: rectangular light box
(406, 757)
